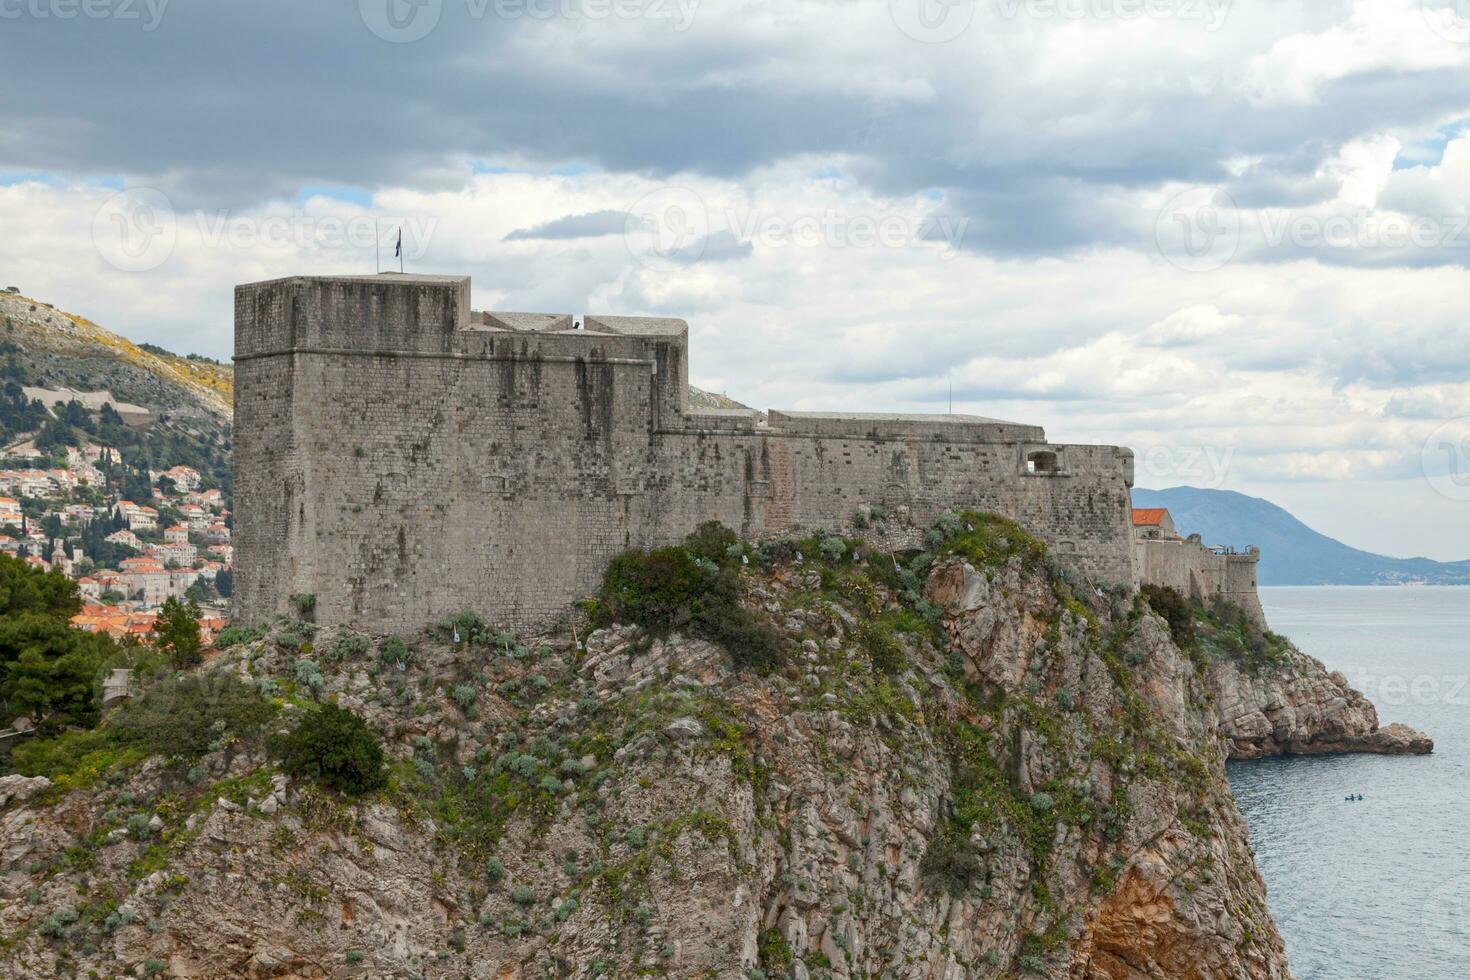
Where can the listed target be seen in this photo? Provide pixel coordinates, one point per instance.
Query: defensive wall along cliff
(402, 458)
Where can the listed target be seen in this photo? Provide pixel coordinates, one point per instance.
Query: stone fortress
(404, 458)
(1163, 557)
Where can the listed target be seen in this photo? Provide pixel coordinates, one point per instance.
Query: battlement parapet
(876, 425)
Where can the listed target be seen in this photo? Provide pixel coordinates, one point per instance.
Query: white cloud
(822, 142)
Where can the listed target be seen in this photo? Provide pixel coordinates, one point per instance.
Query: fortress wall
(1197, 572)
(767, 483)
(499, 469)
(1239, 585)
(436, 486)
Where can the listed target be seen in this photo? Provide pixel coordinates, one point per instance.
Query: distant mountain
(1291, 552)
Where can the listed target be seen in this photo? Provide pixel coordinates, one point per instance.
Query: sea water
(1377, 889)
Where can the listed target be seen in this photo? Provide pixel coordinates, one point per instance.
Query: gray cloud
(295, 94)
(592, 225)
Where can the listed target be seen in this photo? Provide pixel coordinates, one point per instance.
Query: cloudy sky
(1232, 235)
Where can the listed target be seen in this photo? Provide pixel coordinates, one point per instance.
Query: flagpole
(400, 251)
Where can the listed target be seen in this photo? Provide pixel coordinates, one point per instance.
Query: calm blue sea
(1377, 889)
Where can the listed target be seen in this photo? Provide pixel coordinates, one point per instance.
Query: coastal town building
(138, 516)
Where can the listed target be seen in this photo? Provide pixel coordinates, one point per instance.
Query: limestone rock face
(1299, 708)
(1031, 783)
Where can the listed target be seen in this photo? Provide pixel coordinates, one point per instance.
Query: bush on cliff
(1171, 604)
(182, 718)
(335, 746)
(694, 587)
(192, 715)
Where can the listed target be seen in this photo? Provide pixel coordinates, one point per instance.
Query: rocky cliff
(961, 766)
(1298, 707)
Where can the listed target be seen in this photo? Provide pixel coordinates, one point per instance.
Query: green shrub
(887, 653)
(523, 895)
(154, 966)
(775, 952)
(235, 635)
(950, 861)
(335, 746)
(468, 626)
(712, 542)
(1170, 603)
(305, 605)
(394, 652)
(349, 647)
(185, 716)
(494, 869)
(833, 549)
(55, 924)
(309, 675)
(673, 588)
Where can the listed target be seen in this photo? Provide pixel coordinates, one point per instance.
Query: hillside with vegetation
(802, 759)
(50, 361)
(71, 351)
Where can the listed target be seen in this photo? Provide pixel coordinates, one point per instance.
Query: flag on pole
(398, 249)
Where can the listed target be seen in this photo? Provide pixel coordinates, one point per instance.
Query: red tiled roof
(1149, 516)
